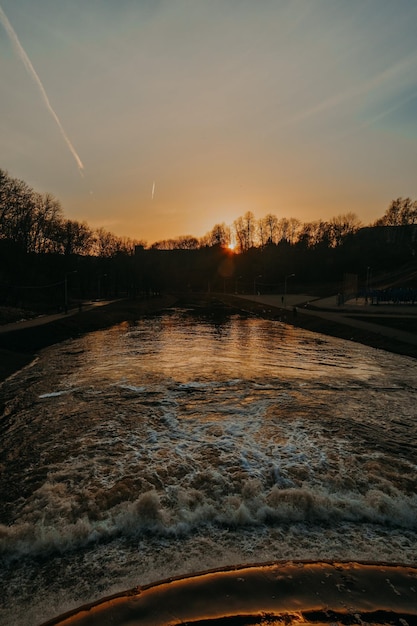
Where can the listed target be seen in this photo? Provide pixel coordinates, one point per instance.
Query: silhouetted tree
(401, 212)
(76, 238)
(342, 227)
(219, 235)
(314, 234)
(270, 227)
(245, 231)
(46, 224)
(185, 242)
(17, 211)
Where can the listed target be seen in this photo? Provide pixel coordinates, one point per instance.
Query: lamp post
(285, 287)
(66, 289)
(99, 285)
(368, 282)
(254, 283)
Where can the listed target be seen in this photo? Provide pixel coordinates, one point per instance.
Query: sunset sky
(160, 118)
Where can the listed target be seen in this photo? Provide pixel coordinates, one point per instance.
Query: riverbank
(20, 344)
(394, 333)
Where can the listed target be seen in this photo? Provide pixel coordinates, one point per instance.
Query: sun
(231, 246)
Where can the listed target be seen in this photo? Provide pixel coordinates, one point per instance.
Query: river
(184, 442)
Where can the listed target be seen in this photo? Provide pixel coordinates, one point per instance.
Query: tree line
(247, 232)
(36, 223)
(41, 252)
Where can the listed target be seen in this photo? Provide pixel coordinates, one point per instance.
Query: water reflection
(178, 443)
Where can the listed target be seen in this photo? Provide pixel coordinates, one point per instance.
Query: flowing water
(182, 443)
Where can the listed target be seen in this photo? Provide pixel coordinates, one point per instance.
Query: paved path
(45, 319)
(327, 308)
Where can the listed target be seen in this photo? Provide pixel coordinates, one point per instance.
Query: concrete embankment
(396, 333)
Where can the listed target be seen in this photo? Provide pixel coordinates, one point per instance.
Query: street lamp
(368, 282)
(285, 287)
(66, 289)
(99, 285)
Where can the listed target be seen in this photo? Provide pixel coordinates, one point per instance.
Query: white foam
(253, 506)
(264, 450)
(55, 394)
(140, 389)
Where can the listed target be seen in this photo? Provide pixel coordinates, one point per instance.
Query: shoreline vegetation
(19, 346)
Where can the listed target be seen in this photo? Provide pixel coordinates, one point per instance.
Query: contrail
(153, 189)
(32, 72)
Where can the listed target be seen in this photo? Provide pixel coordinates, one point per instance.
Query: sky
(160, 118)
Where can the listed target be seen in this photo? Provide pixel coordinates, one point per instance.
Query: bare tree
(239, 231)
(5, 185)
(187, 242)
(75, 237)
(283, 227)
(105, 243)
(31, 219)
(313, 234)
(401, 212)
(270, 223)
(250, 223)
(48, 217)
(245, 230)
(262, 233)
(219, 235)
(17, 210)
(294, 226)
(342, 226)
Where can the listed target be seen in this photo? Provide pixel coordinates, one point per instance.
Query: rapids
(185, 442)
